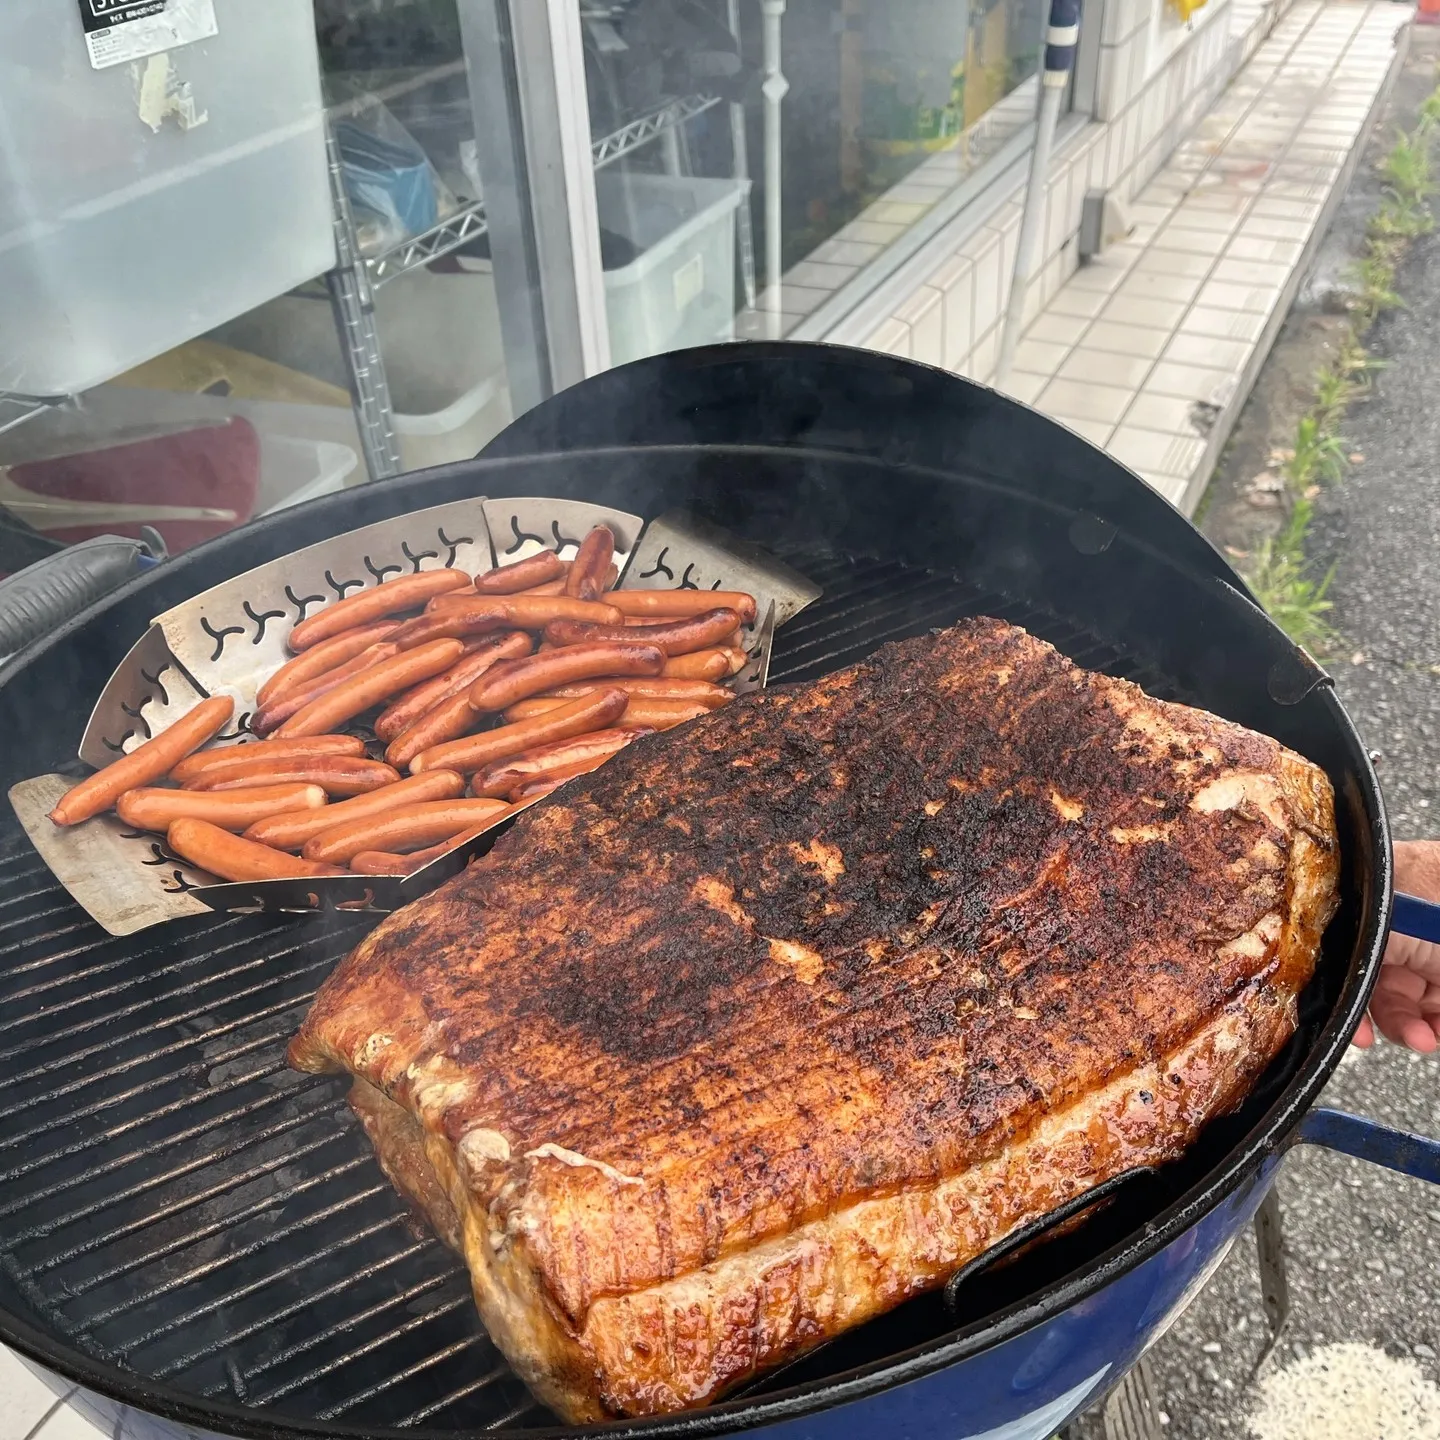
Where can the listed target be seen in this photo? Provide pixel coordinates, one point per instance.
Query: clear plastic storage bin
(680, 291)
(440, 336)
(119, 240)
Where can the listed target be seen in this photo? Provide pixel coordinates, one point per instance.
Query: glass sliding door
(803, 137)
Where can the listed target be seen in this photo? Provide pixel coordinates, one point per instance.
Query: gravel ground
(1361, 1242)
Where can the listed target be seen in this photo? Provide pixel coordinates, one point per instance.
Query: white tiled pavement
(30, 1407)
(1150, 349)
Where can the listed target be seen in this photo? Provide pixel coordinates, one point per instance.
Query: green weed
(1293, 597)
(1430, 112)
(1319, 455)
(1375, 281)
(1282, 578)
(1357, 364)
(1334, 391)
(1407, 168)
(1397, 222)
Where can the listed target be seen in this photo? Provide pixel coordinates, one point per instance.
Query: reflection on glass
(752, 159)
(882, 106)
(892, 103)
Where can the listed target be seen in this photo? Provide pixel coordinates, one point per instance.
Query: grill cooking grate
(175, 1200)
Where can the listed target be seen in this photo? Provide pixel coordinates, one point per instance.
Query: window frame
(863, 303)
(558, 317)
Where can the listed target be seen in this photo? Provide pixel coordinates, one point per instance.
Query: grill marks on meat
(777, 1020)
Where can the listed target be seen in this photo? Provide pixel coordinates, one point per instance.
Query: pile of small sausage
(505, 686)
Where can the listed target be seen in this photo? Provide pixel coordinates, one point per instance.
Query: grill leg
(1274, 1287)
(1130, 1411)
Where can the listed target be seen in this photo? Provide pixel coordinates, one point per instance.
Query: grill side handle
(1399, 1150)
(1420, 919)
(1367, 1139)
(36, 600)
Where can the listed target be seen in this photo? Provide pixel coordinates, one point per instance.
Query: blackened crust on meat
(834, 942)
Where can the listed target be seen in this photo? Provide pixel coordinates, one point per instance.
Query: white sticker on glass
(119, 31)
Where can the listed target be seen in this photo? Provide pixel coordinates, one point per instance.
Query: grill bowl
(190, 1228)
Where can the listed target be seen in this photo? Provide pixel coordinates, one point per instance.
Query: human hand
(1406, 1004)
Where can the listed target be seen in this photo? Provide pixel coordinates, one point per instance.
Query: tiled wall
(1150, 350)
(952, 315)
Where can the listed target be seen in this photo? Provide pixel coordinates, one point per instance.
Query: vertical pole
(1270, 1258)
(532, 137)
(739, 149)
(670, 149)
(500, 154)
(353, 301)
(773, 88)
(562, 168)
(1061, 35)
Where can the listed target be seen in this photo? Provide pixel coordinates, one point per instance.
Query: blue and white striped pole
(1061, 35)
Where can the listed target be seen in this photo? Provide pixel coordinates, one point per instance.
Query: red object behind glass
(212, 467)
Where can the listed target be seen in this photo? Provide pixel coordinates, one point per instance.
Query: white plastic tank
(679, 290)
(145, 202)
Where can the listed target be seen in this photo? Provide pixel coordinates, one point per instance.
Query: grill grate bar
(218, 1227)
(18, 860)
(846, 647)
(259, 963)
(409, 1327)
(473, 1387)
(1082, 647)
(195, 1132)
(24, 897)
(458, 1347)
(818, 617)
(175, 1047)
(153, 1182)
(169, 1212)
(120, 959)
(830, 617)
(121, 1097)
(366, 1272)
(219, 1302)
(276, 1067)
(54, 957)
(84, 923)
(351, 1322)
(525, 1407)
(85, 1081)
(122, 963)
(64, 906)
(234, 1257)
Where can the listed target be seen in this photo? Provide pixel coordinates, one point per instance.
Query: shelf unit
(16, 409)
(351, 285)
(358, 274)
(468, 222)
(647, 127)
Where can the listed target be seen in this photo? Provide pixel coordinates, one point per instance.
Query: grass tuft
(1282, 578)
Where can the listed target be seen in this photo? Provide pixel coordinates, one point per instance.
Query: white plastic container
(293, 470)
(458, 432)
(681, 290)
(444, 359)
(440, 335)
(119, 241)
